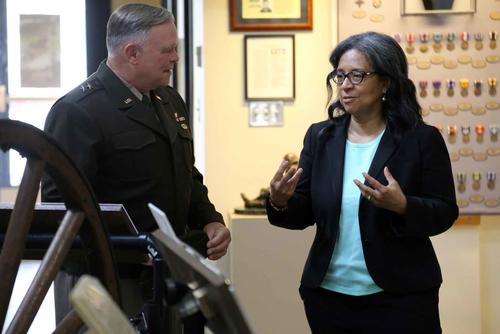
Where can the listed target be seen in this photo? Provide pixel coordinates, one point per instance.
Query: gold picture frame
(262, 15)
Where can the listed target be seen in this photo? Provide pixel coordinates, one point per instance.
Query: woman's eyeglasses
(355, 77)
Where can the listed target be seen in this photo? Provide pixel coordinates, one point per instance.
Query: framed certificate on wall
(270, 67)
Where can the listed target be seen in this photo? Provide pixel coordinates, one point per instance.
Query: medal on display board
(452, 133)
(478, 37)
(479, 128)
(450, 38)
(464, 37)
(478, 85)
(492, 84)
(493, 35)
(436, 85)
(397, 37)
(424, 38)
(450, 84)
(437, 37)
(409, 40)
(476, 180)
(423, 88)
(493, 128)
(464, 87)
(465, 129)
(491, 179)
(461, 181)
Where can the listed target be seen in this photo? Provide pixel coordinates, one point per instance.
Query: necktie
(146, 100)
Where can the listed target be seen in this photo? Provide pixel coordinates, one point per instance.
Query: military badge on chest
(181, 119)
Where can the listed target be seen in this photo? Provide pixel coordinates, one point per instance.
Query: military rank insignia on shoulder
(90, 85)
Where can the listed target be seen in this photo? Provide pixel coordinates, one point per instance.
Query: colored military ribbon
(478, 85)
(461, 178)
(493, 35)
(492, 83)
(493, 132)
(491, 178)
(452, 132)
(423, 86)
(464, 37)
(436, 84)
(478, 37)
(424, 38)
(410, 38)
(450, 84)
(450, 37)
(465, 129)
(479, 128)
(437, 37)
(464, 85)
(476, 180)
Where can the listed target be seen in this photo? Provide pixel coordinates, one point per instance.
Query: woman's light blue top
(347, 272)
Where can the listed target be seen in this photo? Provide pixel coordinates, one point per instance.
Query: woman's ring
(369, 197)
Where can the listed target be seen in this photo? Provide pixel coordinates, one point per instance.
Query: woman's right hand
(283, 184)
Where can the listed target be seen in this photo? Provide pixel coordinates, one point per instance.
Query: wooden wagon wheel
(82, 217)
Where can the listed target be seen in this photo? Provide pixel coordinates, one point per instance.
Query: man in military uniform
(128, 132)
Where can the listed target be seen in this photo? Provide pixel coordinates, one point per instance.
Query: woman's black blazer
(397, 249)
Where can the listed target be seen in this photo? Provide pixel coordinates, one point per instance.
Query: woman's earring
(383, 97)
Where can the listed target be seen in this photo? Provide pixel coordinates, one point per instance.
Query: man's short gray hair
(132, 22)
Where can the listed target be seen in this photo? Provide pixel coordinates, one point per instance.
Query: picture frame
(425, 7)
(269, 67)
(265, 114)
(262, 15)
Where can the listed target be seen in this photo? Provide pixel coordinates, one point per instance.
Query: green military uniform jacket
(131, 153)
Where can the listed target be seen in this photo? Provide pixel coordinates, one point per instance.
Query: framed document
(423, 7)
(270, 15)
(270, 67)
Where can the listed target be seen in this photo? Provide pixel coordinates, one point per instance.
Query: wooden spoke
(17, 231)
(83, 218)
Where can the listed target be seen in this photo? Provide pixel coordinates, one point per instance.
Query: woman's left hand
(389, 197)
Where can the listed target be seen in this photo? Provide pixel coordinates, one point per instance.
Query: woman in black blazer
(377, 182)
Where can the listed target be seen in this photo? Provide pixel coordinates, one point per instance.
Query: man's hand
(219, 238)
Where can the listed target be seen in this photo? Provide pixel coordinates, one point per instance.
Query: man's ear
(132, 52)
